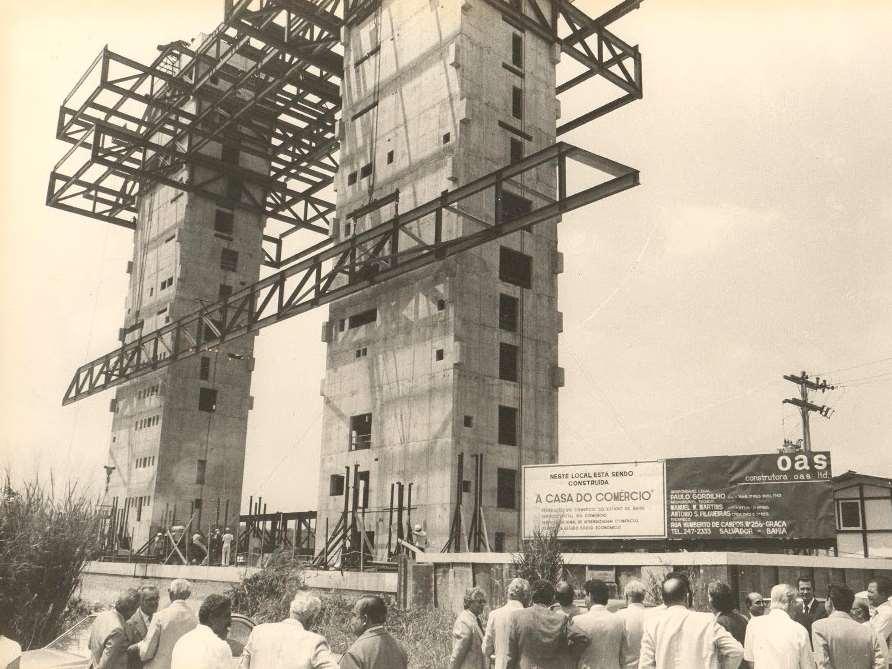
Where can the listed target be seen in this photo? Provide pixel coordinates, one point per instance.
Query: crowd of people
(135, 634)
(540, 627)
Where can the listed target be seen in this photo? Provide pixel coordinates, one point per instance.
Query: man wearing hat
(420, 537)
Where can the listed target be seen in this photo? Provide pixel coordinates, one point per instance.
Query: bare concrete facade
(178, 434)
(460, 358)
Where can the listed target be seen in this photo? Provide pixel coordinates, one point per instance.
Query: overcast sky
(759, 244)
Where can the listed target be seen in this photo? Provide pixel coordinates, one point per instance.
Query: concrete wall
(447, 576)
(102, 581)
(438, 79)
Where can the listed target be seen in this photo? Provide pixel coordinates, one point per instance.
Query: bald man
(374, 647)
(108, 634)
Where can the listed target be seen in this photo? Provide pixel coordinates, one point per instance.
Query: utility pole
(805, 407)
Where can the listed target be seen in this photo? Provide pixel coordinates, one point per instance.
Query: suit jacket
(543, 639)
(136, 629)
(633, 623)
(286, 645)
(467, 643)
(735, 623)
(166, 628)
(607, 632)
(495, 641)
(374, 649)
(842, 642)
(108, 641)
(679, 637)
(805, 618)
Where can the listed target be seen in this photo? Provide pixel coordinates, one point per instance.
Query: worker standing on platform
(227, 540)
(420, 539)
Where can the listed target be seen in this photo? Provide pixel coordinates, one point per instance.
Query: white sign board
(623, 500)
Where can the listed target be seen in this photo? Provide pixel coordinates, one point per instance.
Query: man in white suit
(633, 621)
(679, 637)
(467, 634)
(495, 641)
(167, 627)
(605, 629)
(288, 644)
(775, 639)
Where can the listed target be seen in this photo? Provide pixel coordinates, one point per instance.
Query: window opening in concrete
(228, 260)
(362, 352)
(515, 267)
(469, 421)
(466, 486)
(516, 102)
(360, 432)
(514, 206)
(196, 505)
(508, 311)
(441, 305)
(447, 137)
(363, 318)
(138, 509)
(151, 291)
(223, 221)
(225, 291)
(342, 324)
(516, 50)
(204, 372)
(362, 480)
(516, 150)
(499, 542)
(506, 486)
(507, 362)
(365, 170)
(348, 229)
(389, 157)
(438, 355)
(351, 178)
(200, 471)
(849, 515)
(233, 189)
(507, 426)
(207, 399)
(336, 485)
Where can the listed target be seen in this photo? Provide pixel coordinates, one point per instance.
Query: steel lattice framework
(267, 80)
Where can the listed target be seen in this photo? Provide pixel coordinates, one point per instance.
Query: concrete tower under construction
(460, 358)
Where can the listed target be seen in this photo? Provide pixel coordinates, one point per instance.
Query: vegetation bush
(541, 557)
(425, 634)
(45, 539)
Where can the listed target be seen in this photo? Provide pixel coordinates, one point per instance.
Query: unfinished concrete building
(436, 125)
(461, 357)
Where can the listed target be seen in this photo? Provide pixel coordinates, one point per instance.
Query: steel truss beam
(266, 80)
(403, 243)
(587, 41)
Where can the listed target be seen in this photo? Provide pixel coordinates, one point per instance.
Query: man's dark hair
(676, 588)
(597, 590)
(211, 607)
(721, 597)
(563, 594)
(842, 597)
(373, 608)
(807, 579)
(542, 592)
(884, 586)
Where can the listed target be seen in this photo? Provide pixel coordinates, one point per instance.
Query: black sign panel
(780, 496)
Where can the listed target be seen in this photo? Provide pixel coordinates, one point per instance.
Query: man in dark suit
(811, 609)
(374, 648)
(108, 637)
(138, 624)
(840, 641)
(540, 638)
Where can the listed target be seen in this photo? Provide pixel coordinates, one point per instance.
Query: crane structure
(396, 160)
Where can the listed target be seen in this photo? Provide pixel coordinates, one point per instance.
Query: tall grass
(541, 557)
(45, 539)
(264, 596)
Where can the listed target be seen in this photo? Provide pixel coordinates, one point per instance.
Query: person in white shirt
(227, 547)
(288, 644)
(775, 640)
(633, 621)
(167, 627)
(495, 640)
(879, 593)
(679, 637)
(607, 632)
(205, 646)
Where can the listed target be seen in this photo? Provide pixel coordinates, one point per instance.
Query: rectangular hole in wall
(223, 221)
(507, 426)
(516, 102)
(365, 171)
(516, 150)
(506, 488)
(207, 399)
(469, 421)
(508, 312)
(336, 485)
(447, 137)
(515, 267)
(389, 157)
(516, 50)
(228, 260)
(360, 432)
(507, 362)
(438, 354)
(363, 318)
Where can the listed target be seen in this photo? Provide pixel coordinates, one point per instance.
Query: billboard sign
(776, 496)
(625, 500)
(768, 496)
